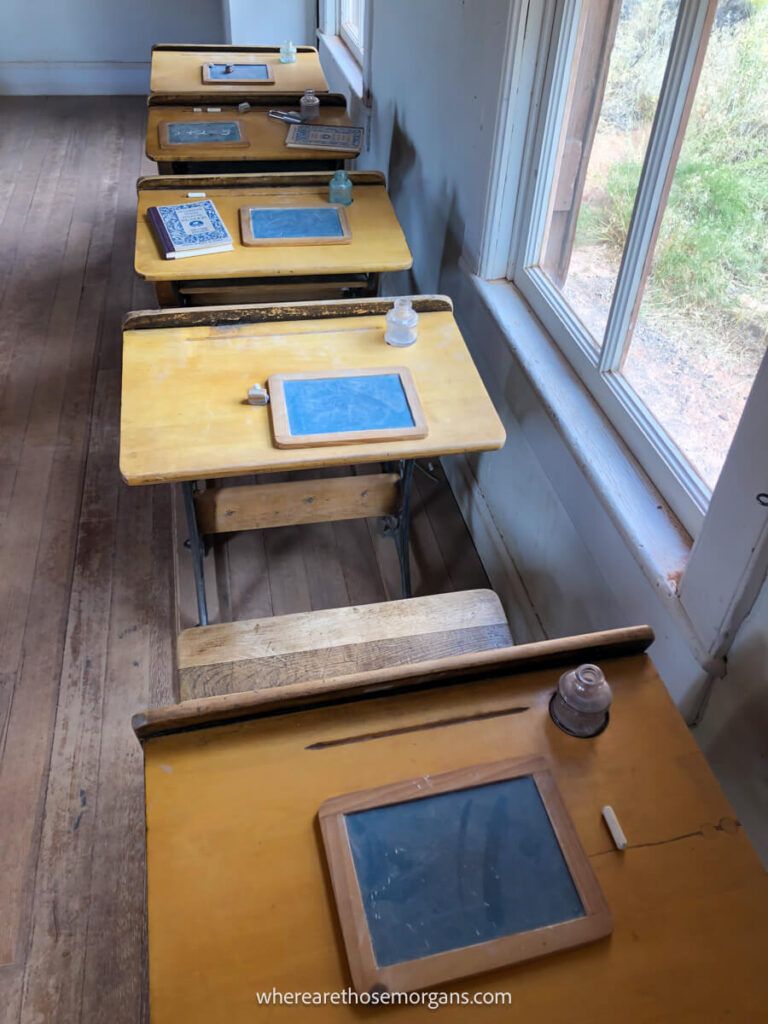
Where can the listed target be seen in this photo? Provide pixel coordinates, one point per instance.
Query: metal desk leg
(402, 529)
(197, 550)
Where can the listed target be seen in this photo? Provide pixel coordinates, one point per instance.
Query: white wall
(548, 544)
(94, 46)
(261, 22)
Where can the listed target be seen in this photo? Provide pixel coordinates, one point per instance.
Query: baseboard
(502, 572)
(74, 78)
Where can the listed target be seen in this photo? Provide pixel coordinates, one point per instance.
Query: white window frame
(681, 486)
(728, 558)
(353, 36)
(332, 23)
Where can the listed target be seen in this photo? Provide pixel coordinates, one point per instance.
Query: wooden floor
(87, 609)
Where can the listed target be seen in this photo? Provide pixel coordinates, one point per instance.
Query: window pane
(619, 65)
(701, 330)
(352, 17)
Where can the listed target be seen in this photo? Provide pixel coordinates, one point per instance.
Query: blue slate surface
(249, 72)
(334, 405)
(180, 132)
(456, 869)
(309, 222)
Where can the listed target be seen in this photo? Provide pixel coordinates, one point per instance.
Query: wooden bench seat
(260, 653)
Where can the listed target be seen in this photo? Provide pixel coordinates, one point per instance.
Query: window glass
(701, 330)
(619, 63)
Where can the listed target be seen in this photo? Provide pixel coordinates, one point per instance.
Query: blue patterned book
(338, 137)
(189, 229)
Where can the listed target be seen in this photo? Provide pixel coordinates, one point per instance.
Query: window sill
(656, 539)
(340, 65)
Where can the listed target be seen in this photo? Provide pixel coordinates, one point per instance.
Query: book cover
(189, 229)
(341, 138)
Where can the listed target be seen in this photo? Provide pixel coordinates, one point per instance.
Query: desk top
(183, 413)
(264, 135)
(378, 243)
(239, 898)
(177, 69)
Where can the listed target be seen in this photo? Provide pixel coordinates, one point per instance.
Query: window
(645, 246)
(351, 26)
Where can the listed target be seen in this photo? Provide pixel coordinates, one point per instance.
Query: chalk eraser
(617, 832)
(242, 107)
(257, 395)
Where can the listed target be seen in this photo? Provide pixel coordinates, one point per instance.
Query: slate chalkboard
(297, 225)
(260, 74)
(198, 133)
(444, 876)
(323, 408)
(459, 868)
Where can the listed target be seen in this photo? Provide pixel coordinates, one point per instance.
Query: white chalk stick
(213, 110)
(197, 110)
(617, 833)
(196, 195)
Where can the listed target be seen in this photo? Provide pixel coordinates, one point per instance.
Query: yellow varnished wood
(239, 899)
(377, 245)
(265, 136)
(180, 71)
(183, 415)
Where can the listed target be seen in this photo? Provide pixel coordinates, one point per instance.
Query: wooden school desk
(239, 899)
(265, 148)
(184, 418)
(176, 69)
(272, 272)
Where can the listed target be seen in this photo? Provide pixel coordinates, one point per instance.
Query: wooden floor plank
(37, 552)
(117, 877)
(56, 957)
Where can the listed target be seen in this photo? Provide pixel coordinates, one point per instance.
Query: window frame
(681, 486)
(331, 23)
(728, 556)
(354, 43)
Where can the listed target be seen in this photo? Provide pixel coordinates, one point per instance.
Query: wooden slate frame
(411, 975)
(281, 430)
(248, 237)
(163, 135)
(208, 78)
